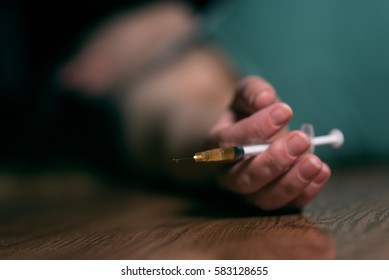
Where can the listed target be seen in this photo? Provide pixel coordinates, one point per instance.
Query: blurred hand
(282, 176)
(125, 45)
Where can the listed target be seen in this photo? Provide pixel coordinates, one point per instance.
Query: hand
(284, 175)
(125, 45)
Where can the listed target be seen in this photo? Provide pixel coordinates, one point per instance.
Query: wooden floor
(74, 216)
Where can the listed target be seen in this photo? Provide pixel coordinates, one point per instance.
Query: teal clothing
(328, 59)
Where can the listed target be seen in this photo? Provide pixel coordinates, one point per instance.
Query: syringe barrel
(219, 154)
(252, 150)
(323, 140)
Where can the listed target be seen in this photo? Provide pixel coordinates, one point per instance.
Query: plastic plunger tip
(339, 138)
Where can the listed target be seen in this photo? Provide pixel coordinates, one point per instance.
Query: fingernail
(262, 94)
(262, 99)
(297, 144)
(280, 114)
(310, 167)
(324, 175)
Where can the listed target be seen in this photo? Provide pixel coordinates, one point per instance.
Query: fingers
(250, 175)
(125, 45)
(253, 94)
(282, 182)
(281, 176)
(283, 190)
(313, 189)
(259, 127)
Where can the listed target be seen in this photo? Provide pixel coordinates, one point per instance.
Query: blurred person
(165, 81)
(184, 98)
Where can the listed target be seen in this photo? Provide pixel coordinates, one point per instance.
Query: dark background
(40, 124)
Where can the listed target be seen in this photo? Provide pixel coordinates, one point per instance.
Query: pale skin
(283, 176)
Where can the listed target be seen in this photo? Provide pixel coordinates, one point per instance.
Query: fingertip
(297, 143)
(264, 99)
(280, 114)
(251, 81)
(313, 189)
(254, 94)
(323, 176)
(311, 166)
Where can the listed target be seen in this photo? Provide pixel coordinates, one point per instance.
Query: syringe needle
(178, 160)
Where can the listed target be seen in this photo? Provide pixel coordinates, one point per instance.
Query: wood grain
(354, 209)
(76, 216)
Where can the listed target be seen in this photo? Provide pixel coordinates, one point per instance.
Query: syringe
(334, 138)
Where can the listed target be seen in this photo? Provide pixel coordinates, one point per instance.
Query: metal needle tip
(178, 160)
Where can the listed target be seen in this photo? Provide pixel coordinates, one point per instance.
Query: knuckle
(249, 80)
(243, 184)
(292, 190)
(253, 83)
(258, 131)
(274, 165)
(260, 128)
